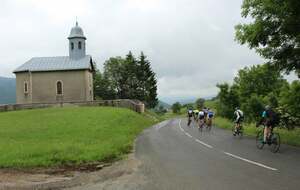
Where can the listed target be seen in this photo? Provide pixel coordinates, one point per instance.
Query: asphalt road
(175, 156)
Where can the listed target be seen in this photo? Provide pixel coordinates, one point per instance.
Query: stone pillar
(140, 107)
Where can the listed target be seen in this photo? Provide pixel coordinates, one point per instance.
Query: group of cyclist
(205, 116)
(201, 117)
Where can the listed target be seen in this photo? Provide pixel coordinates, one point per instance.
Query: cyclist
(269, 118)
(210, 115)
(239, 116)
(196, 112)
(201, 118)
(205, 113)
(190, 114)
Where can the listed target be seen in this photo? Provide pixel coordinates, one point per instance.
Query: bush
(176, 107)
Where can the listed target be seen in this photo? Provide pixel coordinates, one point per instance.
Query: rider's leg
(269, 131)
(236, 126)
(266, 131)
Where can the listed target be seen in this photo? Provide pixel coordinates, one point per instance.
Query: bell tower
(76, 43)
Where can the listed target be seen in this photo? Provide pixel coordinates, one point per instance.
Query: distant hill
(163, 104)
(182, 100)
(7, 90)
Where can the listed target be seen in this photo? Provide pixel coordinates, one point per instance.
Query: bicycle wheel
(260, 139)
(233, 130)
(209, 125)
(275, 142)
(241, 131)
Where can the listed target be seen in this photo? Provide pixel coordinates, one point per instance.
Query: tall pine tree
(130, 71)
(127, 78)
(147, 82)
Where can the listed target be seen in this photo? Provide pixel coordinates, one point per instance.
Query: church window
(59, 88)
(72, 45)
(25, 87)
(79, 45)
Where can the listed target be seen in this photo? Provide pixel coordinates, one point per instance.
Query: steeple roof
(76, 32)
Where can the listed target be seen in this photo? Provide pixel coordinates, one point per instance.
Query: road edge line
(250, 161)
(203, 143)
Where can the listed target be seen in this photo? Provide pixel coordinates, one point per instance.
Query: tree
(253, 88)
(147, 83)
(116, 76)
(176, 107)
(200, 103)
(102, 87)
(253, 107)
(274, 31)
(258, 79)
(290, 99)
(130, 76)
(228, 99)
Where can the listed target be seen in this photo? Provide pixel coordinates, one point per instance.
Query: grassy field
(63, 136)
(287, 137)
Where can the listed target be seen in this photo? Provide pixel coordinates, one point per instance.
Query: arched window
(79, 45)
(25, 87)
(72, 45)
(59, 88)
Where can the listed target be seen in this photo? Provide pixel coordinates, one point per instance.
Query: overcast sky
(190, 43)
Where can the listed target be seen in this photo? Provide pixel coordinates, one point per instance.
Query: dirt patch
(121, 172)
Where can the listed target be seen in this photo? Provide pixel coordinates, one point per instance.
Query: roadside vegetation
(67, 136)
(287, 137)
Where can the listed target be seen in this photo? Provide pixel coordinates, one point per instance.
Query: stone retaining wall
(134, 105)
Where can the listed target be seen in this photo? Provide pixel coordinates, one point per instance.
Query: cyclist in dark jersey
(269, 119)
(190, 114)
(205, 114)
(210, 115)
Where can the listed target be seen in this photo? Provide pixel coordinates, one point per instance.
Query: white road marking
(203, 143)
(197, 140)
(161, 125)
(249, 161)
(180, 126)
(227, 153)
(188, 135)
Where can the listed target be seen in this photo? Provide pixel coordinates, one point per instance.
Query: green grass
(287, 137)
(63, 136)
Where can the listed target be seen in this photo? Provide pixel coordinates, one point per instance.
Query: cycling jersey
(239, 115)
(270, 118)
(210, 114)
(190, 113)
(201, 115)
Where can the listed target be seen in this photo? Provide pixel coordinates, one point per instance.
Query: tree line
(127, 78)
(257, 86)
(274, 32)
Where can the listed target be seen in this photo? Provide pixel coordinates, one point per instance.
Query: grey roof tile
(55, 64)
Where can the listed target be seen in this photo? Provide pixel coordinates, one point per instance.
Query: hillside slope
(64, 136)
(7, 90)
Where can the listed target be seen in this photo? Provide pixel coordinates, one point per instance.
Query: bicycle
(209, 124)
(201, 125)
(273, 140)
(239, 131)
(189, 121)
